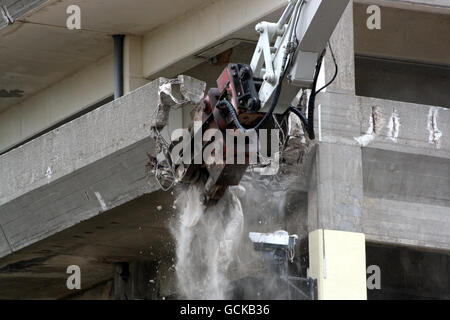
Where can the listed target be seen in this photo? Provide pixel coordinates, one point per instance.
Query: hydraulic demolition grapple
(288, 53)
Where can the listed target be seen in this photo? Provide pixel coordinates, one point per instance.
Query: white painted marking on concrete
(369, 136)
(434, 133)
(321, 79)
(394, 126)
(319, 121)
(376, 123)
(101, 201)
(49, 173)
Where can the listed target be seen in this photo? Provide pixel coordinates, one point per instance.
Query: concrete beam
(382, 168)
(85, 167)
(383, 124)
(406, 222)
(174, 45)
(406, 198)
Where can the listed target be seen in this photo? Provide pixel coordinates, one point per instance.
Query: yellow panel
(340, 267)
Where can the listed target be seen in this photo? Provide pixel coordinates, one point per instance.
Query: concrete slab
(406, 223)
(382, 168)
(383, 124)
(406, 177)
(87, 166)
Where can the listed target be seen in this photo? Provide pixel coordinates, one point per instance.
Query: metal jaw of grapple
(182, 92)
(236, 85)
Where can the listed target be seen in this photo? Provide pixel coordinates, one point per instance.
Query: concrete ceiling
(135, 230)
(38, 50)
(116, 16)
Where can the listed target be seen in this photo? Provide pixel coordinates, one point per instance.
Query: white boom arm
(294, 46)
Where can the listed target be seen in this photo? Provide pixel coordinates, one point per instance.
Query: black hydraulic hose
(335, 69)
(299, 114)
(230, 108)
(268, 114)
(309, 122)
(312, 100)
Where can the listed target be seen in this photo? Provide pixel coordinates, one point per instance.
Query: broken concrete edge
(181, 92)
(113, 129)
(100, 198)
(69, 174)
(19, 181)
(83, 141)
(383, 124)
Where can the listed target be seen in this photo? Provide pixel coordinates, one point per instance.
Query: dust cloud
(206, 243)
(215, 259)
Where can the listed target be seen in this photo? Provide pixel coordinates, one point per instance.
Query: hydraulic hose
(309, 123)
(268, 114)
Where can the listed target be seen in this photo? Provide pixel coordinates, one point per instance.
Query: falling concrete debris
(207, 243)
(434, 133)
(394, 126)
(376, 124)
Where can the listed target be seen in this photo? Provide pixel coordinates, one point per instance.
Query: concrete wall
(403, 81)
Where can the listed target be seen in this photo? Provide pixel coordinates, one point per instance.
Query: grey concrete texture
(403, 81)
(85, 167)
(336, 192)
(406, 198)
(342, 45)
(409, 33)
(406, 177)
(384, 124)
(382, 168)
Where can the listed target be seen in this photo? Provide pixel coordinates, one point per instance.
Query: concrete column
(342, 43)
(337, 259)
(335, 195)
(133, 75)
(336, 241)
